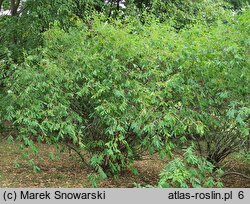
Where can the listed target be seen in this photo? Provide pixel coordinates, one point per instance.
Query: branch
(78, 152)
(236, 173)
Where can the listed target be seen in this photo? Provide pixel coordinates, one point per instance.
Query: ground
(68, 171)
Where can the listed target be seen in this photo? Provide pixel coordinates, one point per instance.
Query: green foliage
(112, 88)
(187, 12)
(238, 4)
(246, 157)
(189, 171)
(23, 32)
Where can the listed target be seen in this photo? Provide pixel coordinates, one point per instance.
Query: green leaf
(134, 170)
(36, 169)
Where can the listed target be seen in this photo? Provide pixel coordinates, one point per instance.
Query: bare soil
(67, 172)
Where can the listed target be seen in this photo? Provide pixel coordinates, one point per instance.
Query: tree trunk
(14, 4)
(1, 3)
(118, 5)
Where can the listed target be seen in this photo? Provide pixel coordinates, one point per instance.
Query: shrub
(190, 171)
(111, 89)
